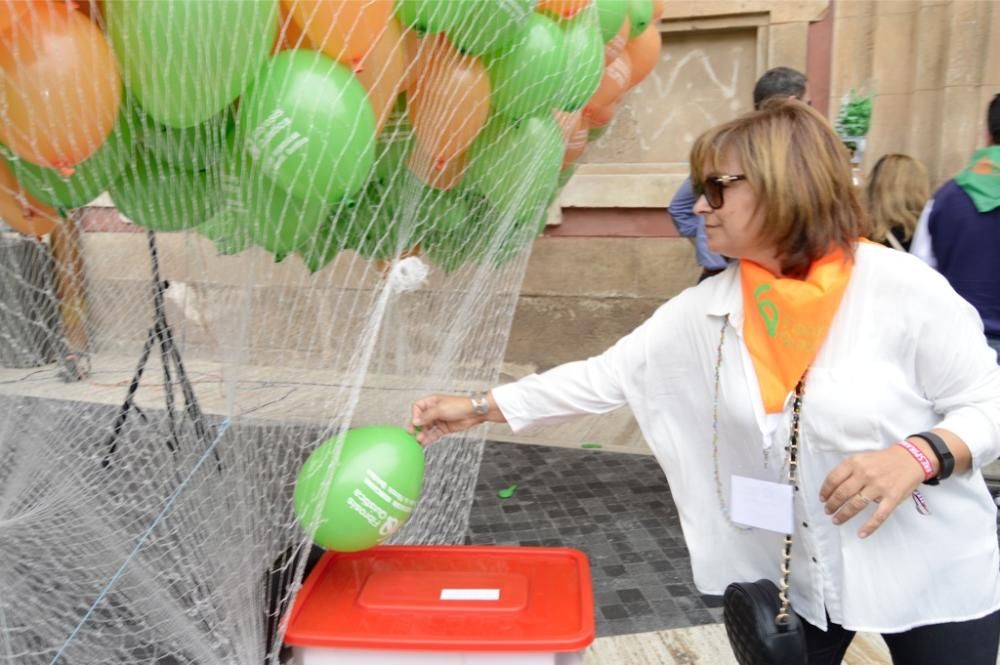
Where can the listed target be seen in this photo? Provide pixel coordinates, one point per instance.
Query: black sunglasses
(712, 188)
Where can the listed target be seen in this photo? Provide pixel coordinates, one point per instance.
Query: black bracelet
(946, 461)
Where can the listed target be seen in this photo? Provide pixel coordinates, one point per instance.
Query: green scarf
(981, 179)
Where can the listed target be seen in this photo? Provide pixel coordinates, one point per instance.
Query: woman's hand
(438, 415)
(887, 477)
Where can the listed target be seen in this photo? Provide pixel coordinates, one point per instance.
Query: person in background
(775, 83)
(898, 189)
(959, 230)
(864, 351)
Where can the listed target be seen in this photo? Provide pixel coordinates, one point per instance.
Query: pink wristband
(922, 460)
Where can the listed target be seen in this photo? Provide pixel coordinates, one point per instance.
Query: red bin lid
(447, 598)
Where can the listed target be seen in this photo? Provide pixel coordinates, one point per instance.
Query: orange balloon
(644, 52)
(94, 9)
(614, 48)
(61, 84)
(383, 70)
(10, 13)
(435, 173)
(599, 116)
(343, 29)
(19, 210)
(659, 6)
(568, 122)
(417, 50)
(449, 102)
(561, 8)
(577, 142)
(613, 83)
(290, 34)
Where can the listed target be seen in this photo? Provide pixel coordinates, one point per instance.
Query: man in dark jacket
(959, 230)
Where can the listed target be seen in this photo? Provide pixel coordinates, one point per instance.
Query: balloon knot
(439, 165)
(356, 66)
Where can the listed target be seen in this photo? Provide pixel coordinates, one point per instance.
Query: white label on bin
(470, 594)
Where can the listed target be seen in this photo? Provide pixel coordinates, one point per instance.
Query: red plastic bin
(446, 605)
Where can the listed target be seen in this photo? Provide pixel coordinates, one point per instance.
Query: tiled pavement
(613, 506)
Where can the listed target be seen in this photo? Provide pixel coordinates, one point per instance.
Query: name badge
(761, 504)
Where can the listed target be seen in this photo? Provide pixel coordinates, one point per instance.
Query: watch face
(945, 459)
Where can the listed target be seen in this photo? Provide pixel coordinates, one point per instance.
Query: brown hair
(897, 191)
(800, 173)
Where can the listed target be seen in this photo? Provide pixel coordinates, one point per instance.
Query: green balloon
(566, 174)
(193, 148)
(163, 197)
(393, 148)
(264, 211)
(374, 225)
(309, 126)
(516, 166)
(452, 236)
(226, 232)
(186, 60)
(584, 61)
(640, 15)
(528, 78)
(358, 500)
(611, 14)
(284, 222)
(90, 178)
(426, 15)
(594, 133)
(324, 247)
(486, 26)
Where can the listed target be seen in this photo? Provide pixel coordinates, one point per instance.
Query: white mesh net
(327, 210)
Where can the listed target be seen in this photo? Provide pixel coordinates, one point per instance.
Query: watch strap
(480, 404)
(946, 461)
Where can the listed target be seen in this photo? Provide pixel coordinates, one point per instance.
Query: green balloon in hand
(357, 499)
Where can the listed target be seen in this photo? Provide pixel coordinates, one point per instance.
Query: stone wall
(933, 65)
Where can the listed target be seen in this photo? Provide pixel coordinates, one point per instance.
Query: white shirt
(904, 354)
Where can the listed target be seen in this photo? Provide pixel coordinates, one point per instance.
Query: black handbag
(762, 628)
(757, 638)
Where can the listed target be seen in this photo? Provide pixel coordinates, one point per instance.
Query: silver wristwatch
(480, 404)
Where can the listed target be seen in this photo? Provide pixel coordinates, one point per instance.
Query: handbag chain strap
(783, 616)
(792, 456)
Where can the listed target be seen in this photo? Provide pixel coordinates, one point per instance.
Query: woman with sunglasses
(883, 368)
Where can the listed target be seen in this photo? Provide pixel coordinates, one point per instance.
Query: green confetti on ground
(507, 492)
(591, 445)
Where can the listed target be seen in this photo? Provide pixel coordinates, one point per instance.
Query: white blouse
(904, 354)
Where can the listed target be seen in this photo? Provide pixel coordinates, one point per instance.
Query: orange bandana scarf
(786, 320)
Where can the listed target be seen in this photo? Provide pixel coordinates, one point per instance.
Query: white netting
(330, 205)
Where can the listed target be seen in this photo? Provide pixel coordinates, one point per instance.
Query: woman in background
(897, 191)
